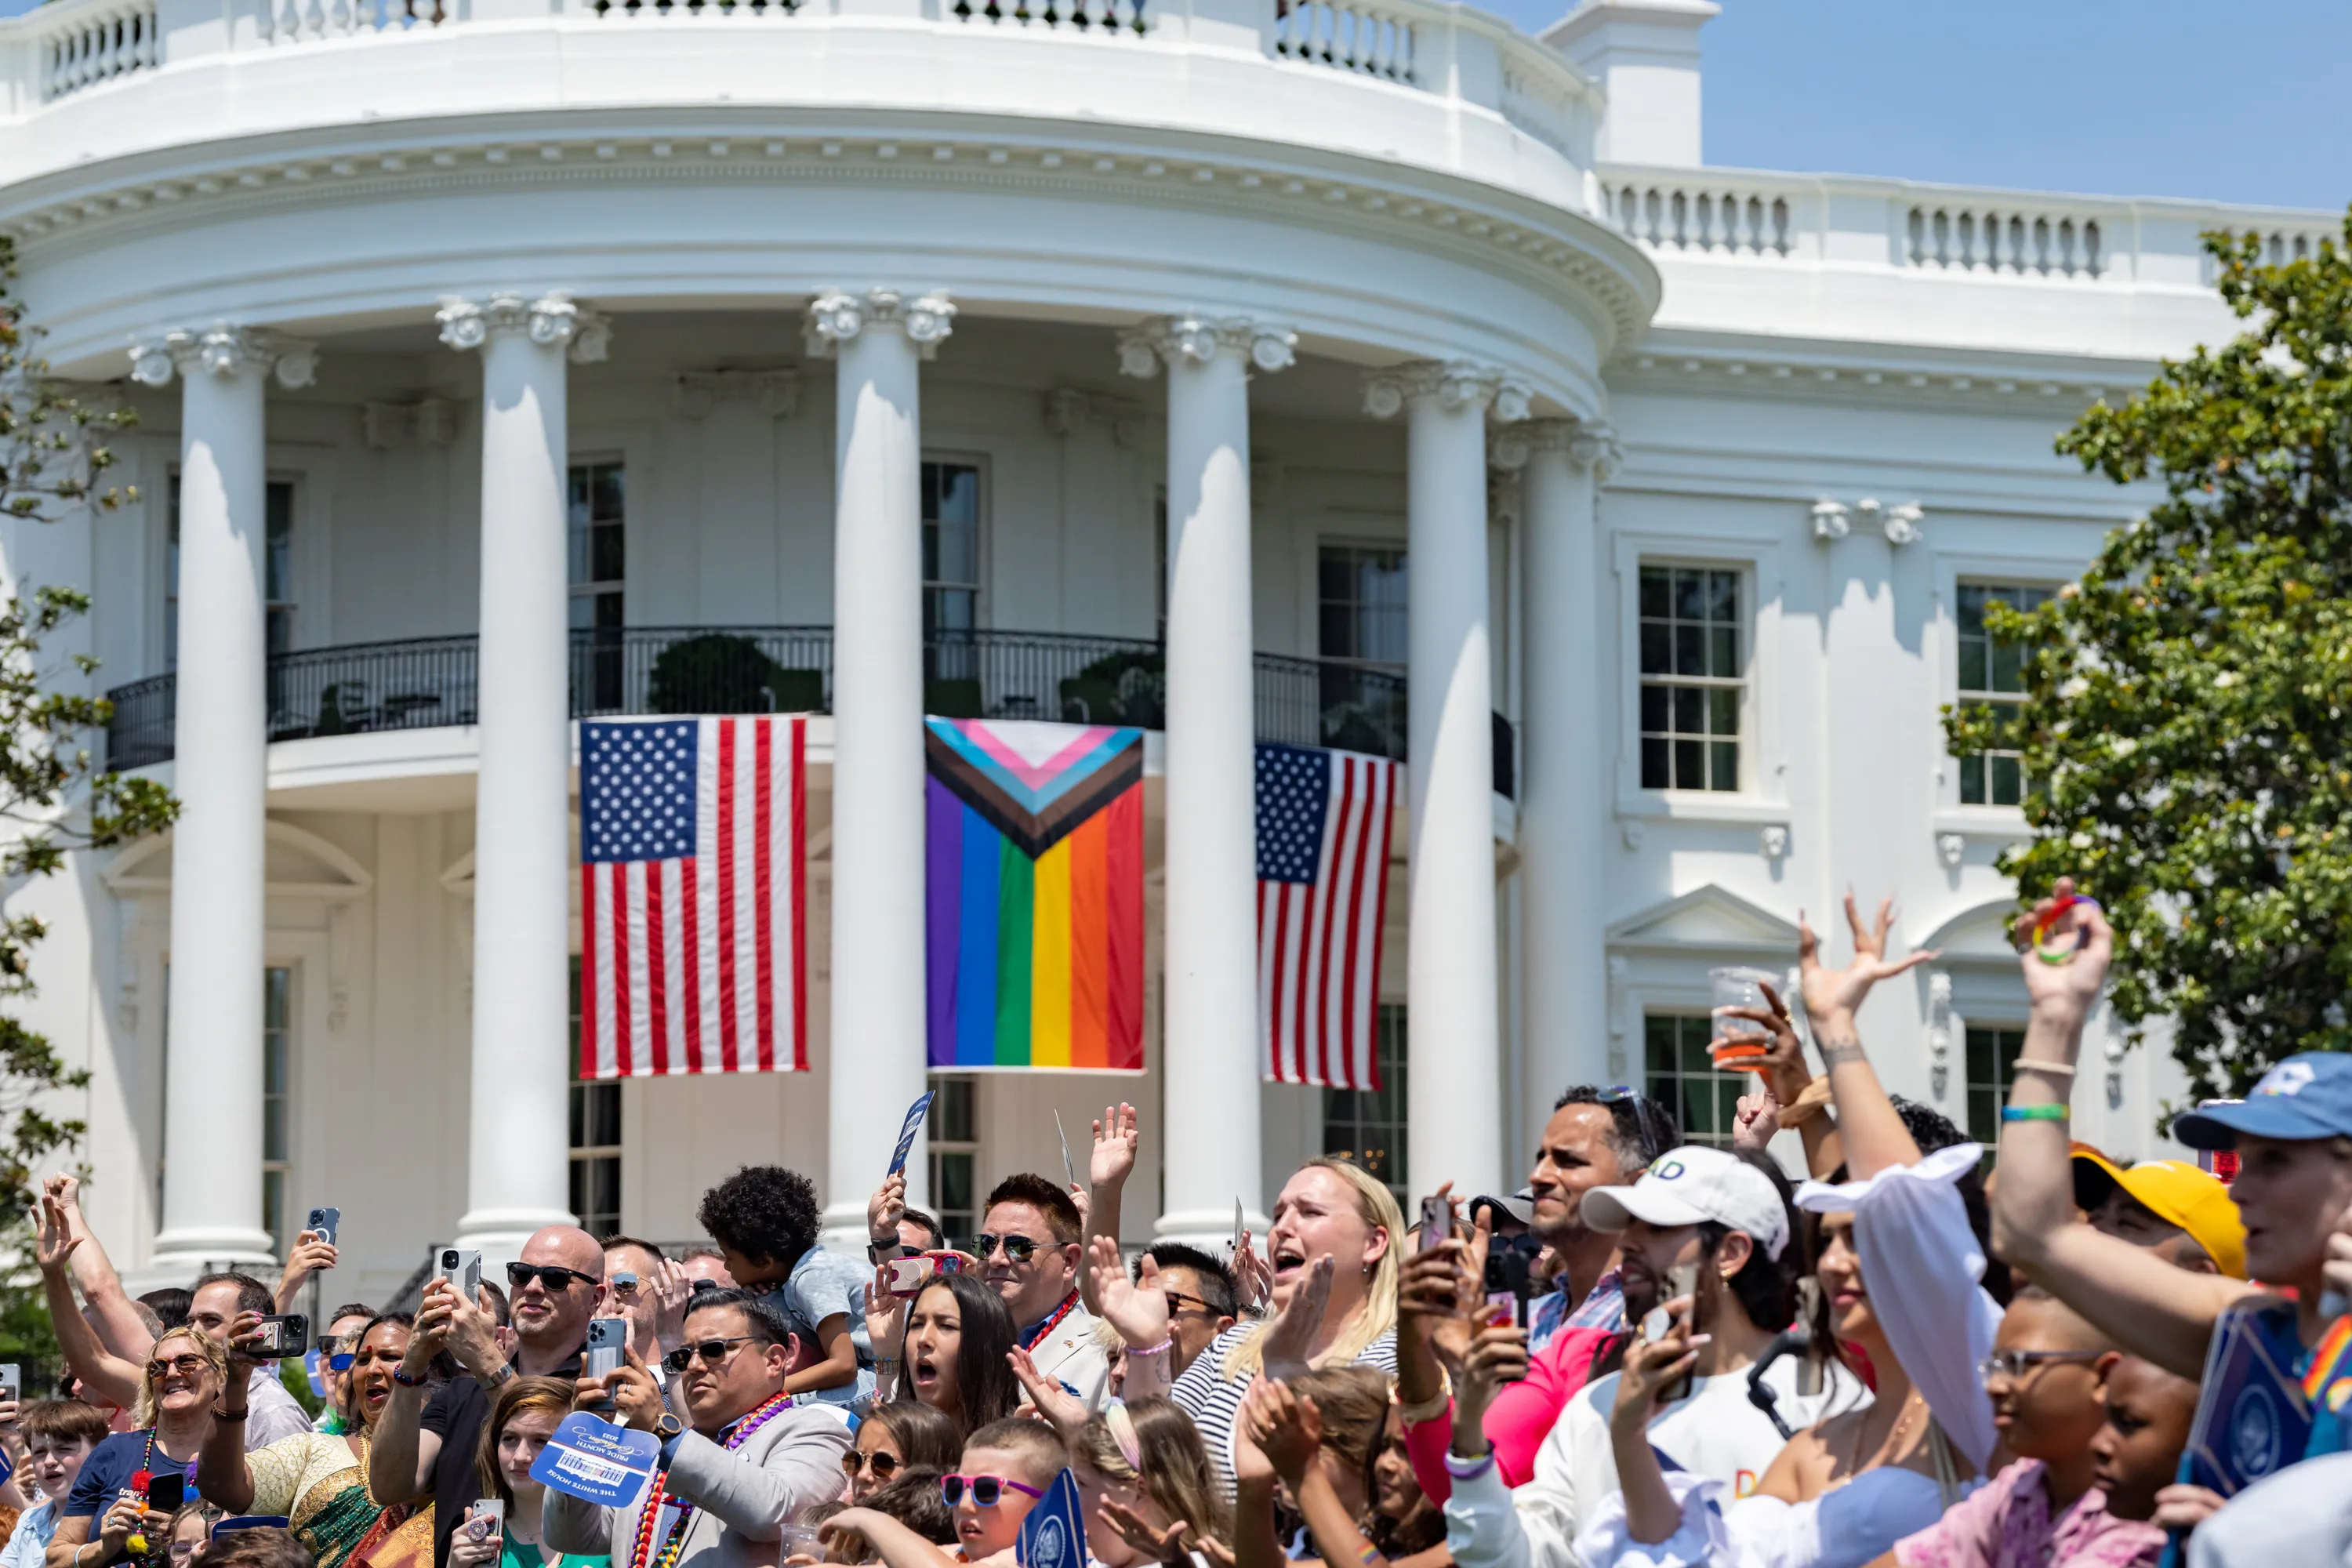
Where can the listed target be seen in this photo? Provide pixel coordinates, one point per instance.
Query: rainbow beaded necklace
(643, 1554)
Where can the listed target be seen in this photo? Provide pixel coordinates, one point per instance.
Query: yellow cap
(2180, 1194)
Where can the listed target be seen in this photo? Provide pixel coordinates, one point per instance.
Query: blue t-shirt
(106, 1475)
(823, 1285)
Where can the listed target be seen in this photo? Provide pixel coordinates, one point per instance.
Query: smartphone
(12, 1381)
(905, 1276)
(1232, 1253)
(946, 1262)
(462, 1267)
(324, 1223)
(1508, 1271)
(283, 1338)
(605, 1338)
(1436, 1222)
(166, 1490)
(1682, 1279)
(1813, 1372)
(488, 1520)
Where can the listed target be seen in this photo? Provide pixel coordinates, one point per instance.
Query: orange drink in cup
(1740, 1044)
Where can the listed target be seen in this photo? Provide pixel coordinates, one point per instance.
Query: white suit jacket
(741, 1500)
(1071, 1356)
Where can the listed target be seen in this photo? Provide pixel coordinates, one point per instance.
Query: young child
(1010, 1463)
(2137, 1449)
(2044, 1510)
(764, 1219)
(58, 1435)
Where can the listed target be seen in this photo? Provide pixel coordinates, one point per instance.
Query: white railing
(687, 10)
(1966, 237)
(1540, 104)
(280, 22)
(87, 47)
(1362, 36)
(1694, 214)
(1103, 17)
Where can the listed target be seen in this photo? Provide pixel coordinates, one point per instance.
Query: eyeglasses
(551, 1276)
(1178, 1298)
(2014, 1363)
(185, 1365)
(1018, 1248)
(341, 1361)
(713, 1352)
(986, 1490)
(1646, 1115)
(180, 1551)
(885, 1466)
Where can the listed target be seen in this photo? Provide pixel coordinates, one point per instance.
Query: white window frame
(1999, 825)
(983, 559)
(1762, 793)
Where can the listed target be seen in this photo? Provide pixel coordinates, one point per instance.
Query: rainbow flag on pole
(1033, 940)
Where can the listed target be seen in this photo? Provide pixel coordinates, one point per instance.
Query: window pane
(1972, 608)
(1656, 772)
(1690, 595)
(1656, 700)
(1723, 596)
(1723, 652)
(2007, 781)
(279, 556)
(608, 502)
(1972, 781)
(1657, 597)
(1690, 710)
(1723, 765)
(1972, 664)
(2008, 667)
(1723, 711)
(1690, 650)
(1657, 650)
(1690, 764)
(605, 553)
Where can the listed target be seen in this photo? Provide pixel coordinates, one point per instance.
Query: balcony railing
(419, 682)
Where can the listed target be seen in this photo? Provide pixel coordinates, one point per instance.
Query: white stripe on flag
(746, 999)
(599, 939)
(673, 901)
(1347, 828)
(780, 885)
(640, 973)
(706, 890)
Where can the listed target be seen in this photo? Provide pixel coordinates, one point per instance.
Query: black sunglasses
(1178, 1298)
(551, 1276)
(1645, 1113)
(1019, 1248)
(713, 1352)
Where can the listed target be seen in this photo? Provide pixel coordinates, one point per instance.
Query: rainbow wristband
(2033, 1113)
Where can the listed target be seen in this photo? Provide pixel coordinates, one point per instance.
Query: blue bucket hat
(2307, 1095)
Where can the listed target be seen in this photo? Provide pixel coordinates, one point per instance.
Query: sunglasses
(341, 1361)
(185, 1365)
(1646, 1114)
(987, 1491)
(1019, 1248)
(883, 1466)
(1178, 1298)
(713, 1352)
(2015, 1363)
(551, 1276)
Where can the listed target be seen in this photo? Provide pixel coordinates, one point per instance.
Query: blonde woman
(179, 1385)
(1333, 1250)
(1148, 1493)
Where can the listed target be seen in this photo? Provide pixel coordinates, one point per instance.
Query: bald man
(425, 1447)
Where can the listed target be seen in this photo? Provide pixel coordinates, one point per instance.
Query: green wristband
(2033, 1113)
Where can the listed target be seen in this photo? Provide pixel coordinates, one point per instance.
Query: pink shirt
(1520, 1418)
(2007, 1525)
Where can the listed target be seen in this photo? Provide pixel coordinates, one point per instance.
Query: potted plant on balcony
(718, 672)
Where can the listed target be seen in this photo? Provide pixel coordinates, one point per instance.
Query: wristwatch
(669, 1426)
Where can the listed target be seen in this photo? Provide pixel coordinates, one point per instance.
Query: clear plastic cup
(1739, 1043)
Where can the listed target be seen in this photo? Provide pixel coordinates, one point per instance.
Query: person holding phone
(184, 1379)
(316, 1480)
(523, 1416)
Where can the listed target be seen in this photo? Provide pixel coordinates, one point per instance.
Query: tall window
(1992, 679)
(1367, 1125)
(1692, 678)
(595, 1139)
(1992, 1059)
(1361, 633)
(596, 528)
(1683, 1077)
(954, 1136)
(950, 548)
(276, 1023)
(276, 568)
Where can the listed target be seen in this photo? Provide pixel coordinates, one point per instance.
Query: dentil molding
(834, 318)
(224, 349)
(1453, 384)
(551, 321)
(1197, 340)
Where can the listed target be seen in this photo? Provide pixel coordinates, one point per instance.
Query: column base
(1211, 1230)
(498, 1234)
(182, 1257)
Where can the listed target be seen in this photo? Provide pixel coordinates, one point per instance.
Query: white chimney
(1644, 55)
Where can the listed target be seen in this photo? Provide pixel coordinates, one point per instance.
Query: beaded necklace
(676, 1540)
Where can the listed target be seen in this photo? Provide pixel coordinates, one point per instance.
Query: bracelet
(2029, 1064)
(2033, 1113)
(1162, 1348)
(229, 1416)
(402, 1378)
(1463, 1469)
(1427, 1410)
(503, 1376)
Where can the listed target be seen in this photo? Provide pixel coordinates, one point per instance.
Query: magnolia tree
(2188, 730)
(53, 797)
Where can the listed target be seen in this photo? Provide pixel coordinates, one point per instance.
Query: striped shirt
(1213, 1400)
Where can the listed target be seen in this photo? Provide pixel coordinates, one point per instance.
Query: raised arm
(400, 1453)
(223, 1475)
(311, 1253)
(2151, 1308)
(1138, 1310)
(108, 1375)
(1118, 1136)
(116, 1322)
(1874, 1136)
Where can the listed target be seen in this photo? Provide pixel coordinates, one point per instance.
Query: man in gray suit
(743, 1465)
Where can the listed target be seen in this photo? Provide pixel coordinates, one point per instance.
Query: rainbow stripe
(1034, 945)
(2327, 1358)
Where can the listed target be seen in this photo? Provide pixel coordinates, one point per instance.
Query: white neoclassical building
(1231, 367)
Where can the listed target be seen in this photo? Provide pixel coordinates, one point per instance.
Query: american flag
(1322, 889)
(693, 869)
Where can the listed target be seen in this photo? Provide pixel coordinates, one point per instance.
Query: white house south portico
(1231, 371)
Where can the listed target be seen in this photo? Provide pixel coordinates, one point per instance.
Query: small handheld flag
(1054, 1532)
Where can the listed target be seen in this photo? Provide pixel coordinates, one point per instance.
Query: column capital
(1454, 383)
(224, 349)
(1197, 340)
(551, 321)
(1589, 443)
(834, 317)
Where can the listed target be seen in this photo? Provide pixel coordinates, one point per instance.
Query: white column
(1453, 1095)
(1210, 1043)
(212, 1117)
(877, 1057)
(518, 1145)
(1563, 980)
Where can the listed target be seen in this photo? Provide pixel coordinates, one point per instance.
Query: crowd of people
(1917, 1351)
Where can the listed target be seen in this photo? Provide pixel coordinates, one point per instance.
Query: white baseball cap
(1690, 1184)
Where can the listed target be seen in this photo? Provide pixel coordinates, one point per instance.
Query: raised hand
(1138, 1310)
(1286, 1426)
(431, 1329)
(885, 1208)
(54, 1236)
(1285, 1348)
(1830, 992)
(2069, 988)
(244, 1342)
(1653, 1366)
(671, 1291)
(1055, 1403)
(1254, 1276)
(1118, 1136)
(1756, 1119)
(1498, 1354)
(885, 1319)
(1168, 1545)
(311, 1253)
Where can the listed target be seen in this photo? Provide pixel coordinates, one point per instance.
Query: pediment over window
(1978, 932)
(296, 863)
(1710, 917)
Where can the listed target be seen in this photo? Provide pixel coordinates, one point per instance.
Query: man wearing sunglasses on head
(1029, 1249)
(745, 1460)
(426, 1446)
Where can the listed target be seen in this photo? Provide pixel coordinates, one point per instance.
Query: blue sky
(2235, 100)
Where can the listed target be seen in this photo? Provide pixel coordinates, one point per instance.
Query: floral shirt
(2007, 1525)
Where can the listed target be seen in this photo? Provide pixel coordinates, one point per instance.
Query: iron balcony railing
(420, 682)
